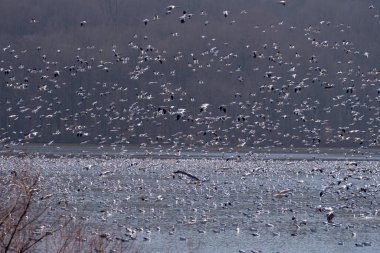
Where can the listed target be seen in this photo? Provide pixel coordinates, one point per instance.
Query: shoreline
(86, 151)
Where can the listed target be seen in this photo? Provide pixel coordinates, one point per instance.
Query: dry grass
(29, 223)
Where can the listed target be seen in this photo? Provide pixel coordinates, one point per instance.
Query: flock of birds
(250, 204)
(280, 85)
(200, 78)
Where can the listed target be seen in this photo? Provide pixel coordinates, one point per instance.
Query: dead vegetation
(30, 223)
